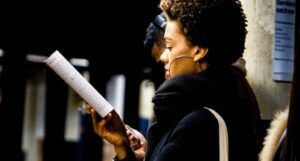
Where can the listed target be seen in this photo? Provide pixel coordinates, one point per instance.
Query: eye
(168, 48)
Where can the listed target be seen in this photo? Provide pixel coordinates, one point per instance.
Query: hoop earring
(182, 56)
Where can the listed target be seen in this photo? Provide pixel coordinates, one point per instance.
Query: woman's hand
(112, 129)
(137, 141)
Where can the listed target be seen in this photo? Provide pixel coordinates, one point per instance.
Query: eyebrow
(168, 39)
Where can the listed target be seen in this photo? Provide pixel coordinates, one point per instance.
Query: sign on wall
(284, 40)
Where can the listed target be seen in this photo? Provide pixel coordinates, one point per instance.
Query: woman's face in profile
(179, 53)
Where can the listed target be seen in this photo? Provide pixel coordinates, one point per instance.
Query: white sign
(284, 41)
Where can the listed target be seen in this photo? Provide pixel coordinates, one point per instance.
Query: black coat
(185, 130)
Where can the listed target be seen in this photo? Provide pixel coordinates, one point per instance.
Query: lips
(167, 72)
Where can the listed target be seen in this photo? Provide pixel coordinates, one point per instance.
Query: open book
(76, 81)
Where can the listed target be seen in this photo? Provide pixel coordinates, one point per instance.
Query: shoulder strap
(223, 136)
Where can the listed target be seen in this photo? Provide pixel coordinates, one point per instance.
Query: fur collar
(277, 127)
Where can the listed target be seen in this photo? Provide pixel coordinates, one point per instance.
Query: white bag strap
(223, 136)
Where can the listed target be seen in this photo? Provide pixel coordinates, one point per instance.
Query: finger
(127, 127)
(129, 134)
(104, 121)
(108, 117)
(135, 137)
(135, 146)
(88, 107)
(94, 120)
(131, 138)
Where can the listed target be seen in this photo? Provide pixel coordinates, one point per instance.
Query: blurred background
(42, 118)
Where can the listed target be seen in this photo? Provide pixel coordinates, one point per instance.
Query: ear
(200, 54)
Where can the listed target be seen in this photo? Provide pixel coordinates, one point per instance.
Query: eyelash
(168, 48)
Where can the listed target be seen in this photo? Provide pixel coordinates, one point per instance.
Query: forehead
(172, 30)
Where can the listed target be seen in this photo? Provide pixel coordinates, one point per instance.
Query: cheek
(173, 55)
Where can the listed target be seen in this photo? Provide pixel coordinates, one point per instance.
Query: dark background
(108, 30)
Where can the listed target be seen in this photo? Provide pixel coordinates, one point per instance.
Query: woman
(203, 37)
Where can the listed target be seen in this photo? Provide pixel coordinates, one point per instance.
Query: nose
(164, 56)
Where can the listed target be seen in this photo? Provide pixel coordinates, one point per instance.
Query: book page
(81, 86)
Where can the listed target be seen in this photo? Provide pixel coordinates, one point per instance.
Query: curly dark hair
(219, 25)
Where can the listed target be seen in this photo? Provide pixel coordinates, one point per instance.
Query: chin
(167, 75)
